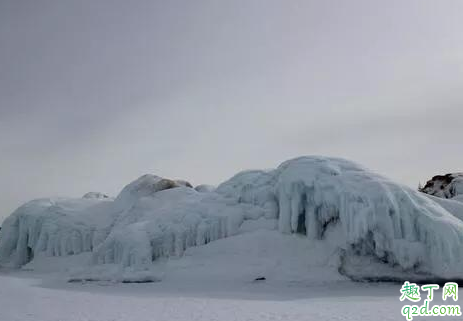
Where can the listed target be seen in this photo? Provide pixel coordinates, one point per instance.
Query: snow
(349, 212)
(146, 302)
(211, 282)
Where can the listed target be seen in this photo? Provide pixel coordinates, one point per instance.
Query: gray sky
(95, 93)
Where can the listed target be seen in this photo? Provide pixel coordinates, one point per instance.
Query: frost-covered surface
(359, 218)
(445, 186)
(164, 301)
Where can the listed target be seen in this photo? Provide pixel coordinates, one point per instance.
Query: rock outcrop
(445, 186)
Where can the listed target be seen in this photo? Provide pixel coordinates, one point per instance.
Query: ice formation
(57, 227)
(370, 218)
(379, 218)
(151, 217)
(167, 223)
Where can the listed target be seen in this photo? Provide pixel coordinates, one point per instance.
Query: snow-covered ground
(210, 282)
(23, 298)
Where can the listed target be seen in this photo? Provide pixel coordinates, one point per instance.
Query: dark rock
(445, 186)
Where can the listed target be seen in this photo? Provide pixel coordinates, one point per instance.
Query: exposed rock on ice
(364, 216)
(445, 186)
(145, 185)
(96, 195)
(183, 183)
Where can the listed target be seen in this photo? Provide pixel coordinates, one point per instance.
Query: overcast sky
(94, 93)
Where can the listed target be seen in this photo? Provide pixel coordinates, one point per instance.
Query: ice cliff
(321, 198)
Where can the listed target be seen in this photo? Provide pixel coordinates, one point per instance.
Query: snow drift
(366, 217)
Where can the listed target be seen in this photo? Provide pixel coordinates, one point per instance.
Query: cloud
(94, 94)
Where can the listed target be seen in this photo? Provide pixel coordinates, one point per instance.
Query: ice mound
(57, 227)
(167, 223)
(380, 219)
(364, 216)
(146, 185)
(152, 217)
